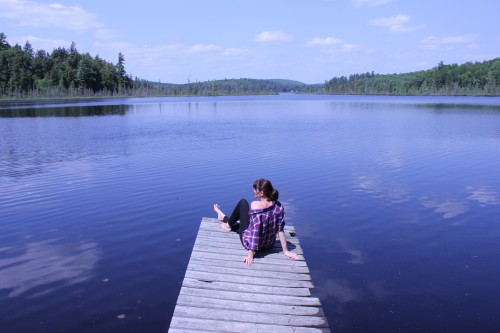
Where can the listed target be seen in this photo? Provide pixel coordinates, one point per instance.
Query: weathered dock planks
(220, 293)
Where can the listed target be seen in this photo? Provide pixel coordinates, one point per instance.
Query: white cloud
(162, 51)
(327, 41)
(344, 48)
(174, 59)
(37, 14)
(234, 52)
(203, 48)
(396, 24)
(391, 21)
(273, 36)
(433, 42)
(103, 33)
(403, 29)
(350, 47)
(332, 44)
(460, 39)
(40, 43)
(369, 3)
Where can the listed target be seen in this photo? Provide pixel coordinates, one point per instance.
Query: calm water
(396, 202)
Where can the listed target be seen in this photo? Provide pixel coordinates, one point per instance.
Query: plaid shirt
(263, 227)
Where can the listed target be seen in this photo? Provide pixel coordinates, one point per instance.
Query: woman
(260, 222)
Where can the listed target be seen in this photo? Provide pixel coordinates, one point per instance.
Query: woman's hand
(249, 258)
(291, 255)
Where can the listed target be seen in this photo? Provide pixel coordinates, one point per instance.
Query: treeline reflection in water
(65, 111)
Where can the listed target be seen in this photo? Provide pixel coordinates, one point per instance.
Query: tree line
(479, 78)
(25, 73)
(226, 87)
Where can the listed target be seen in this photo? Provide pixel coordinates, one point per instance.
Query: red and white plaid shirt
(263, 227)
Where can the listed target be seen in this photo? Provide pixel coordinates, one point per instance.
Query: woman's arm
(251, 238)
(284, 246)
(249, 258)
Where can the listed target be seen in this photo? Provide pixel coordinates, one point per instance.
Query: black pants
(240, 213)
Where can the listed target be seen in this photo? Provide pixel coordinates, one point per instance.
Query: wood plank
(231, 243)
(233, 238)
(207, 222)
(239, 258)
(250, 271)
(256, 265)
(220, 293)
(246, 280)
(248, 316)
(209, 242)
(253, 297)
(271, 253)
(216, 225)
(240, 305)
(271, 290)
(238, 327)
(230, 235)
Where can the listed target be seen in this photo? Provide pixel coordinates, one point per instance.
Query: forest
(471, 79)
(226, 87)
(25, 73)
(67, 73)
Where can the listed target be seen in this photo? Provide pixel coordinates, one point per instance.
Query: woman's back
(265, 223)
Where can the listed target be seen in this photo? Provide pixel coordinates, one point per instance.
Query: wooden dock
(220, 293)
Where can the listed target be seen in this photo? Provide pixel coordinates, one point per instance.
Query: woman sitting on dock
(260, 222)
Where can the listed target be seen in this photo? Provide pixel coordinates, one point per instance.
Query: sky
(180, 41)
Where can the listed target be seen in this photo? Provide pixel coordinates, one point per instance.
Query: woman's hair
(265, 186)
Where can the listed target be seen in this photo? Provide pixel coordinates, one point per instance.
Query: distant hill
(230, 87)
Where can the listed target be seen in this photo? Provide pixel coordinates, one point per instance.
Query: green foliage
(480, 78)
(224, 87)
(3, 42)
(62, 73)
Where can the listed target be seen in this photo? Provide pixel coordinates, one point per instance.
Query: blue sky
(310, 41)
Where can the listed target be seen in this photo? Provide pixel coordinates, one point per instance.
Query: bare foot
(225, 226)
(220, 214)
(220, 217)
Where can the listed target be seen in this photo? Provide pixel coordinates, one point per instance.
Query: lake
(396, 201)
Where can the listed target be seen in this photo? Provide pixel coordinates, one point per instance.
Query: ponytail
(274, 195)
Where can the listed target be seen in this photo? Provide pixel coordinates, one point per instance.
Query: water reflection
(376, 186)
(483, 195)
(391, 160)
(347, 247)
(459, 108)
(449, 208)
(42, 263)
(31, 146)
(340, 289)
(65, 111)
